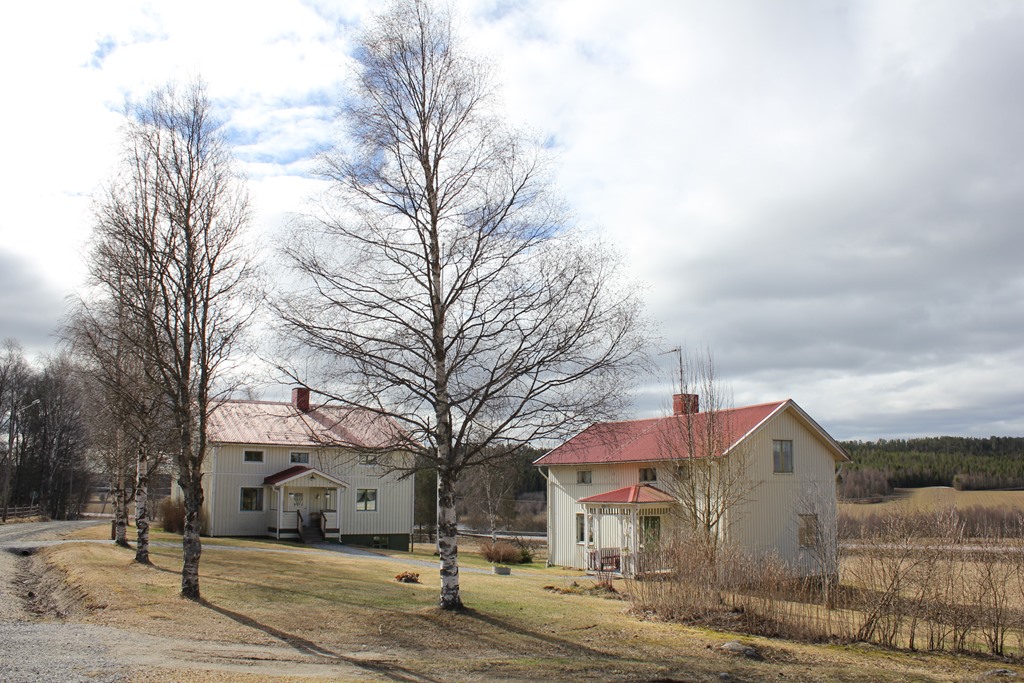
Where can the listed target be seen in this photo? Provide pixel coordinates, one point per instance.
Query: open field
(274, 611)
(937, 497)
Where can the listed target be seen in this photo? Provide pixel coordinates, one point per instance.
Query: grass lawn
(348, 615)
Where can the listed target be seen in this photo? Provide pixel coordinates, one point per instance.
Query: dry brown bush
(916, 581)
(501, 552)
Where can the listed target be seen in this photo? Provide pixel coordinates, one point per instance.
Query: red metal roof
(291, 472)
(282, 424)
(661, 438)
(638, 493)
(296, 471)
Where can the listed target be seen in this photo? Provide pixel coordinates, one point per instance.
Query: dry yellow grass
(937, 497)
(303, 615)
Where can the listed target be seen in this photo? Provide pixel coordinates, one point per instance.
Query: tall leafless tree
(126, 413)
(169, 244)
(443, 287)
(709, 478)
(13, 378)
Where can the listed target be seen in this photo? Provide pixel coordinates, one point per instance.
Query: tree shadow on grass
(575, 648)
(308, 647)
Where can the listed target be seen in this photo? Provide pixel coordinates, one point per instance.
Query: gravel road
(38, 650)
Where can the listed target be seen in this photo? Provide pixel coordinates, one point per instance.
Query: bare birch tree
(440, 285)
(169, 233)
(709, 478)
(127, 419)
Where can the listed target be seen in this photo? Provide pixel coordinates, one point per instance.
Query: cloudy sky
(829, 195)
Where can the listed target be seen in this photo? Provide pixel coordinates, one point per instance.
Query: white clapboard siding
(227, 473)
(765, 522)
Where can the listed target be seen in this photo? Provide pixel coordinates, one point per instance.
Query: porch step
(310, 535)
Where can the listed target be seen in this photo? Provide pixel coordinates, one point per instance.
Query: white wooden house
(292, 470)
(610, 488)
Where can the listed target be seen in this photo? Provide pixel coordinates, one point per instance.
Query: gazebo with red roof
(639, 508)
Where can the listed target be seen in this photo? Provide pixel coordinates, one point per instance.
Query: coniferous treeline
(965, 463)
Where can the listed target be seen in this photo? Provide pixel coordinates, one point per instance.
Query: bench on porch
(604, 560)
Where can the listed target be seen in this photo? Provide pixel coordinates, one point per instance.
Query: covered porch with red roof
(303, 499)
(638, 515)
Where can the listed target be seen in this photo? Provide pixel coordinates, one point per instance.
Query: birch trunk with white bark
(142, 508)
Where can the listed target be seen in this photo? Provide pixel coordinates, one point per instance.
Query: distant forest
(961, 462)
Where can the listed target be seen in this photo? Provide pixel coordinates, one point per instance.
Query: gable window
(300, 458)
(252, 456)
(809, 533)
(648, 475)
(366, 500)
(251, 499)
(584, 476)
(782, 456)
(367, 460)
(581, 528)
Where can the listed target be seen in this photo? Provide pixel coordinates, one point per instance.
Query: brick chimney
(300, 399)
(685, 404)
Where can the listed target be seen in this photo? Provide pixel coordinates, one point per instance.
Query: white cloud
(825, 193)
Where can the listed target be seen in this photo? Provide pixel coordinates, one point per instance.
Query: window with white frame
(252, 456)
(273, 499)
(366, 500)
(367, 459)
(648, 475)
(782, 456)
(300, 458)
(251, 499)
(809, 534)
(581, 528)
(584, 476)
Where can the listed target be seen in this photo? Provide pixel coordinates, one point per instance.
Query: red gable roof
(660, 438)
(289, 473)
(297, 471)
(642, 493)
(282, 424)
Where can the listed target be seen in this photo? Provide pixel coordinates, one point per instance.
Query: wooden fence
(25, 511)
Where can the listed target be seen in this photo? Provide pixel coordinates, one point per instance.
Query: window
(809, 533)
(782, 456)
(367, 460)
(296, 500)
(300, 458)
(584, 476)
(650, 530)
(648, 474)
(252, 499)
(252, 456)
(366, 500)
(273, 499)
(581, 528)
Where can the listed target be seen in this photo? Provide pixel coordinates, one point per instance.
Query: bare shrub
(936, 581)
(865, 484)
(501, 552)
(172, 515)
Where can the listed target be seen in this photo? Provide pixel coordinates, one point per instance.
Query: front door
(298, 500)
